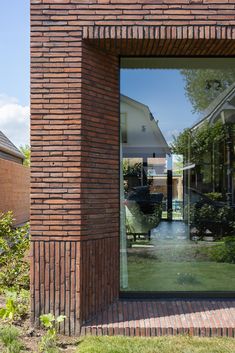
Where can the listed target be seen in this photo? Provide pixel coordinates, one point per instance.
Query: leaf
(51, 332)
(47, 320)
(10, 305)
(2, 313)
(60, 318)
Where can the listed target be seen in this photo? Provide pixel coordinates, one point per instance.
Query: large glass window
(177, 175)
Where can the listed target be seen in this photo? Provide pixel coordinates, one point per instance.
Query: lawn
(177, 344)
(147, 274)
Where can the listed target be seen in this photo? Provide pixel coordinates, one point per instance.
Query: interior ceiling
(176, 63)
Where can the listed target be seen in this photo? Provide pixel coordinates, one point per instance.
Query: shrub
(14, 243)
(220, 221)
(217, 196)
(224, 251)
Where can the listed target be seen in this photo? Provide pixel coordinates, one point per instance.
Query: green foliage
(14, 243)
(48, 342)
(217, 196)
(10, 339)
(131, 169)
(16, 307)
(23, 303)
(203, 86)
(182, 143)
(9, 312)
(195, 144)
(27, 153)
(224, 251)
(209, 217)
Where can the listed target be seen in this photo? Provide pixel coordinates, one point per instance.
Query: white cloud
(14, 120)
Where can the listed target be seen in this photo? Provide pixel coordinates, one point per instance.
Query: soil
(31, 336)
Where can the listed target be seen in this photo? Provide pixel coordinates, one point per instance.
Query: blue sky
(14, 70)
(14, 49)
(161, 90)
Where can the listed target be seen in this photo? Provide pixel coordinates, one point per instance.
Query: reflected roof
(224, 102)
(159, 146)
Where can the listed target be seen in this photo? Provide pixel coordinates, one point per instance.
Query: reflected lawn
(147, 274)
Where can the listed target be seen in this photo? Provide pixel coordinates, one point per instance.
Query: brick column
(74, 174)
(56, 135)
(99, 181)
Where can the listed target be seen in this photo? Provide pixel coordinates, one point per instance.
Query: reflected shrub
(218, 220)
(131, 169)
(216, 196)
(224, 251)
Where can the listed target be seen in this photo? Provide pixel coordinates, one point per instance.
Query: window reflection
(178, 198)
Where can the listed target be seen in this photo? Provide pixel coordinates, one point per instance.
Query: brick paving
(165, 317)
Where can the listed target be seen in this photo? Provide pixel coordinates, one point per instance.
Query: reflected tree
(203, 86)
(194, 144)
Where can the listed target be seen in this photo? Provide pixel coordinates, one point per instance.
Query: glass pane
(177, 178)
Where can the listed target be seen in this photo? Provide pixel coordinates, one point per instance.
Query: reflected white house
(141, 135)
(145, 147)
(221, 177)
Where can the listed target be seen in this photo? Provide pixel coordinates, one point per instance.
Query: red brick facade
(75, 49)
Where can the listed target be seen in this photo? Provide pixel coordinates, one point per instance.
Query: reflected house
(215, 172)
(146, 154)
(208, 176)
(141, 135)
(144, 151)
(144, 146)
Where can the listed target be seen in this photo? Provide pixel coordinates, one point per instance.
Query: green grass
(10, 339)
(179, 344)
(147, 274)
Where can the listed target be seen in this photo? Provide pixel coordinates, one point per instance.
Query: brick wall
(75, 49)
(15, 190)
(99, 180)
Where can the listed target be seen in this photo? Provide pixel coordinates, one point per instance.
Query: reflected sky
(163, 91)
